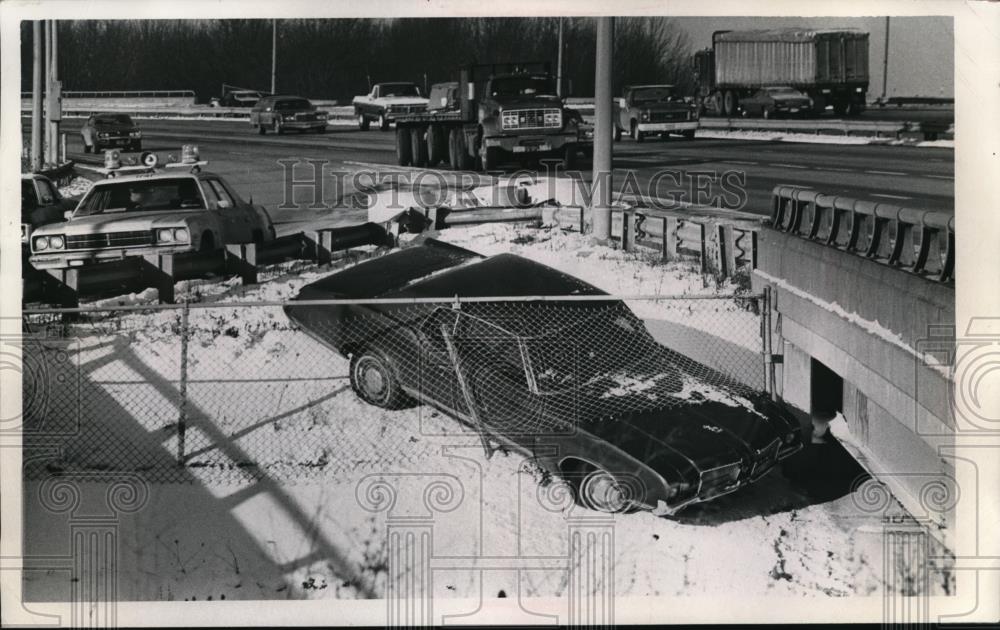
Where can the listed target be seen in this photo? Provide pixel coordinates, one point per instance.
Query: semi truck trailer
(828, 65)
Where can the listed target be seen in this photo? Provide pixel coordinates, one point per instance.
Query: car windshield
(652, 94)
(524, 86)
(399, 89)
(298, 103)
(113, 119)
(180, 193)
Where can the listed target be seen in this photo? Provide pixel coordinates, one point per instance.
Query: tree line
(339, 58)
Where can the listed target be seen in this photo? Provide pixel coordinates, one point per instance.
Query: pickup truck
(387, 102)
(654, 109)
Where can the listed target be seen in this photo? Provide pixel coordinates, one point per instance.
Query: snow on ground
(817, 138)
(77, 187)
(305, 524)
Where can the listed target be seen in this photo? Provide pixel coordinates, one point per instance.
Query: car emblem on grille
(712, 428)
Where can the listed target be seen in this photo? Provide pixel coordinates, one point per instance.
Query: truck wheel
(404, 148)
(437, 145)
(636, 134)
(617, 134)
(460, 158)
(363, 123)
(729, 103)
(489, 158)
(276, 126)
(261, 130)
(418, 147)
(819, 104)
(383, 122)
(717, 104)
(840, 107)
(569, 157)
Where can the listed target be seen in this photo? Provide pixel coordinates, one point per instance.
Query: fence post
(182, 411)
(628, 230)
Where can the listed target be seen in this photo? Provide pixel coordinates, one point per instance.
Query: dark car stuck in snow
(573, 381)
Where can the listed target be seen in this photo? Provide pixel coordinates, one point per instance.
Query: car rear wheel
(374, 381)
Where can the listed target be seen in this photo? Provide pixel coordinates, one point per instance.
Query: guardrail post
(669, 236)
(242, 260)
(702, 249)
(320, 245)
(628, 230)
(159, 270)
(727, 253)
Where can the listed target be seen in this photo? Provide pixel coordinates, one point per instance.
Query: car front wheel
(383, 122)
(276, 126)
(374, 381)
(599, 490)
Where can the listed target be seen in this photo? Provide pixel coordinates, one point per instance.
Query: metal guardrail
(921, 242)
(878, 127)
(121, 93)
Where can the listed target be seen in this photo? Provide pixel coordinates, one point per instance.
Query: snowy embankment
(303, 525)
(817, 138)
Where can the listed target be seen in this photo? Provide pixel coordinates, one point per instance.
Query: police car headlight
(41, 243)
(57, 242)
(165, 235)
(180, 235)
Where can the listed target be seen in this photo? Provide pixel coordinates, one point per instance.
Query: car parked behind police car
(151, 213)
(278, 114)
(110, 130)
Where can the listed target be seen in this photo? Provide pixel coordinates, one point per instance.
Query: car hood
(403, 100)
(119, 222)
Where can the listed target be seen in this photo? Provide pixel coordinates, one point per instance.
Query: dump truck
(492, 113)
(828, 65)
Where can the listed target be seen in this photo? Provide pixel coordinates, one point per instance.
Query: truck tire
(363, 122)
(418, 147)
(569, 157)
(404, 148)
(839, 106)
(460, 158)
(261, 130)
(437, 145)
(717, 104)
(819, 103)
(383, 122)
(729, 103)
(617, 135)
(636, 134)
(489, 158)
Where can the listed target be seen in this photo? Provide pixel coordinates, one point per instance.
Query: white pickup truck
(386, 102)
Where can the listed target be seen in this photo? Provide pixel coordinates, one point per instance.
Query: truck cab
(650, 109)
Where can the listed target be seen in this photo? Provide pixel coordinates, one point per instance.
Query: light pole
(36, 98)
(885, 61)
(601, 182)
(274, 55)
(559, 56)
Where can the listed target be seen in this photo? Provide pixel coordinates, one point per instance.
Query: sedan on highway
(281, 113)
(574, 382)
(109, 130)
(150, 213)
(771, 102)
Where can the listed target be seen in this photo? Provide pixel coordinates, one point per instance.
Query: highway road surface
(674, 169)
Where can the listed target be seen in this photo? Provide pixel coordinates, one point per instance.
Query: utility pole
(559, 76)
(885, 61)
(274, 55)
(601, 183)
(36, 99)
(52, 110)
(47, 151)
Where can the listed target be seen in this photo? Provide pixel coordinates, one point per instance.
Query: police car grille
(109, 239)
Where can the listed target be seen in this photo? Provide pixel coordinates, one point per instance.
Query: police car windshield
(180, 193)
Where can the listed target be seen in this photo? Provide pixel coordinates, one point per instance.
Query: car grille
(109, 239)
(765, 459)
(667, 116)
(532, 119)
(407, 109)
(305, 116)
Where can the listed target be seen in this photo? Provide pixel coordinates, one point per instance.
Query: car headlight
(644, 116)
(41, 243)
(135, 134)
(57, 242)
(180, 235)
(165, 235)
(104, 134)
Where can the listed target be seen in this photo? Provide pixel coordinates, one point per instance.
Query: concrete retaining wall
(865, 321)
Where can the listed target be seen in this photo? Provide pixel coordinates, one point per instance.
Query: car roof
(437, 269)
(153, 176)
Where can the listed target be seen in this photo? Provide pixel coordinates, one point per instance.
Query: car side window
(220, 195)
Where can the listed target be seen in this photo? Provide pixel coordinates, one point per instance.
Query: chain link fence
(236, 392)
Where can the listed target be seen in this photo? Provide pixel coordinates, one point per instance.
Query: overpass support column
(601, 186)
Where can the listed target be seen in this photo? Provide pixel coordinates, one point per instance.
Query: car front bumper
(303, 124)
(117, 141)
(687, 125)
(71, 259)
(536, 143)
